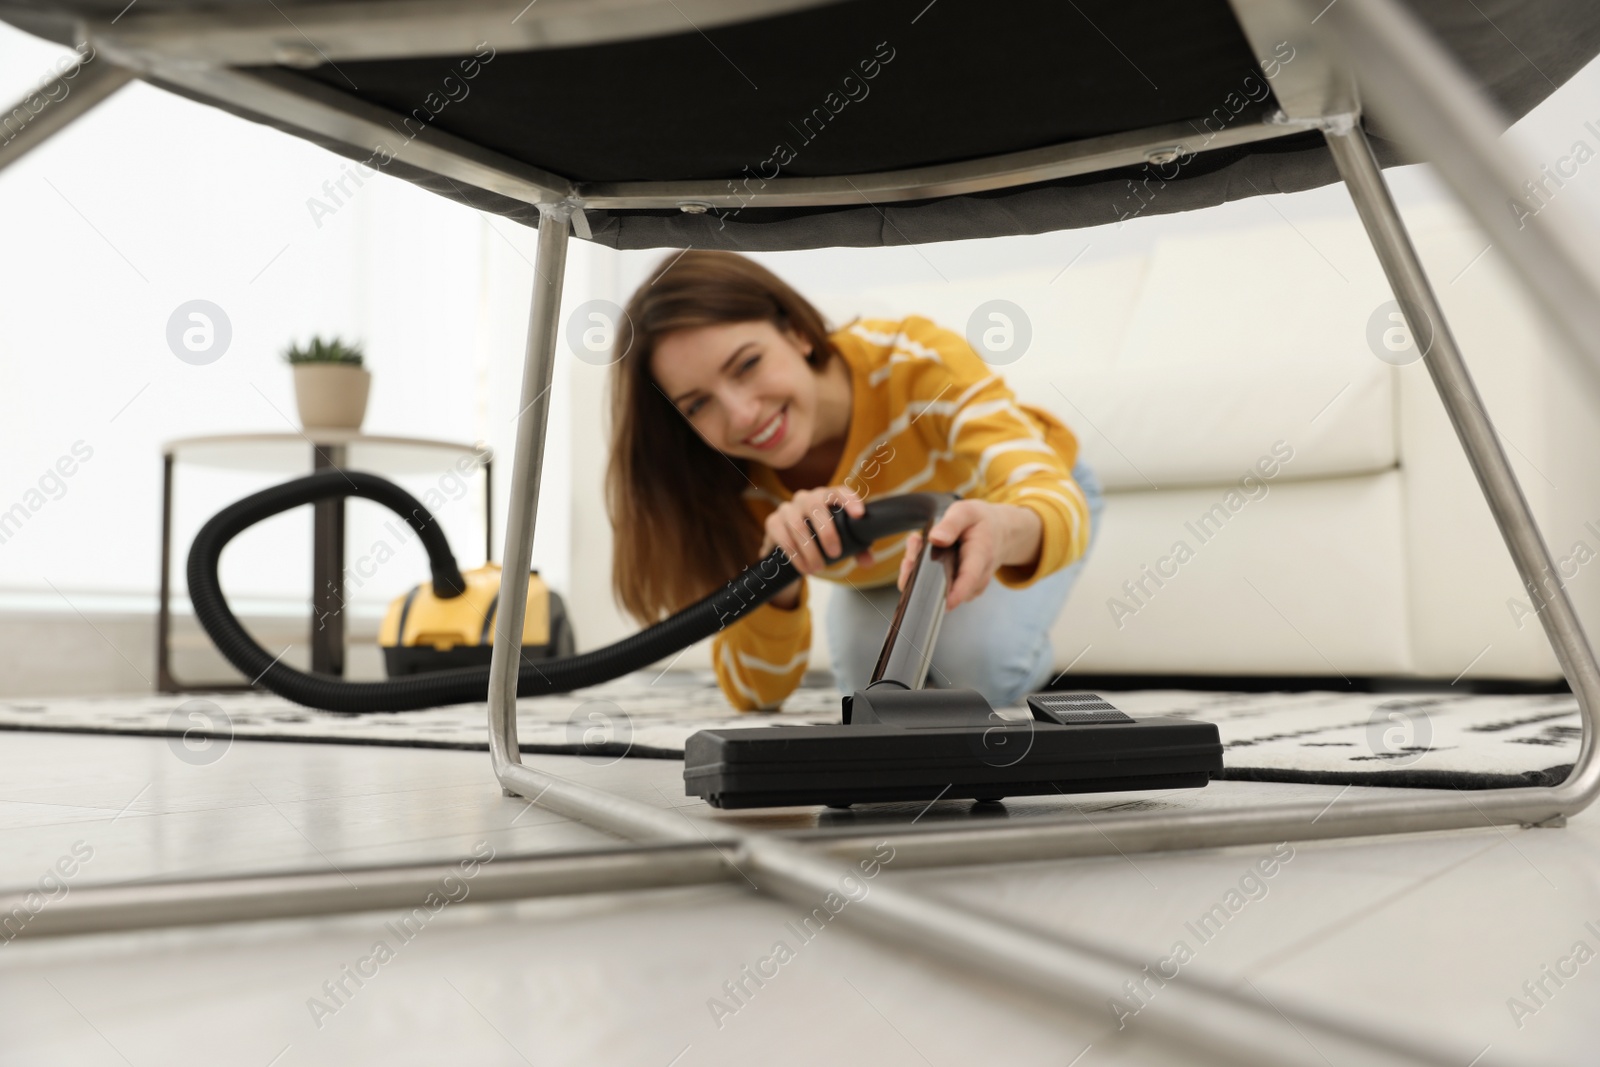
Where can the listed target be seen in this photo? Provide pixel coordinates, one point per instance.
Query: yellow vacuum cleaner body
(425, 632)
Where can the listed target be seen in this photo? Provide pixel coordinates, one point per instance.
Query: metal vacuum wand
(895, 694)
(914, 630)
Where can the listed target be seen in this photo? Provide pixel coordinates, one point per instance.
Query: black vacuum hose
(755, 586)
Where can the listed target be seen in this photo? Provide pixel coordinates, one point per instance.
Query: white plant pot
(331, 395)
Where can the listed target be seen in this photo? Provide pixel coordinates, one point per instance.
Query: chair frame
(1351, 49)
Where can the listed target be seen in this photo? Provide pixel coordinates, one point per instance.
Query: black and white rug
(1448, 740)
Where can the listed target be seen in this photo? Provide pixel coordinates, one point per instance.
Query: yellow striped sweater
(927, 415)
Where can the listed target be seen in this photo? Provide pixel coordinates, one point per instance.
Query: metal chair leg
(526, 464)
(1442, 355)
(65, 98)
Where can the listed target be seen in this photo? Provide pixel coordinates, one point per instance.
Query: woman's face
(745, 386)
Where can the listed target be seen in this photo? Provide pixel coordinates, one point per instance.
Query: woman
(736, 416)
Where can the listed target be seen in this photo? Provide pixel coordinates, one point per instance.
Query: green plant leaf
(330, 350)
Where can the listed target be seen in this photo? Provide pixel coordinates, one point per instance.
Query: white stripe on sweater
(1000, 448)
(881, 374)
(731, 671)
(1023, 470)
(1072, 510)
(799, 659)
(990, 407)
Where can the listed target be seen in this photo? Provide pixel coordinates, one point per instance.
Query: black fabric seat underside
(965, 81)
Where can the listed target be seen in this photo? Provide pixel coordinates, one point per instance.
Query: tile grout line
(1288, 953)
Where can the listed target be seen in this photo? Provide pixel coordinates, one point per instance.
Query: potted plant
(330, 384)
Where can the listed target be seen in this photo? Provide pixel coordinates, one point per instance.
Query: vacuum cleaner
(896, 741)
(424, 631)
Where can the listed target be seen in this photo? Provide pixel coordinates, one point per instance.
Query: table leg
(327, 572)
(165, 683)
(488, 511)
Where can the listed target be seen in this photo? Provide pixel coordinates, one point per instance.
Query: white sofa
(1369, 552)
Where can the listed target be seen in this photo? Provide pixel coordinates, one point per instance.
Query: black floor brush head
(779, 766)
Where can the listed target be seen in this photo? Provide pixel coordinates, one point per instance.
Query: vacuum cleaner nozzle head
(900, 744)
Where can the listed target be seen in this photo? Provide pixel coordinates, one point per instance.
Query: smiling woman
(738, 418)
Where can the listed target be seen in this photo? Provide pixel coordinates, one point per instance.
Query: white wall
(150, 201)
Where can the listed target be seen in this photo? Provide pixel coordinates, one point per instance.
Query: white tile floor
(1424, 936)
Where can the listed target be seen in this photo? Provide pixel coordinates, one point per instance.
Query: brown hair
(680, 524)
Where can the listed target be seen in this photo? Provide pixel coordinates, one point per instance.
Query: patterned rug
(1446, 740)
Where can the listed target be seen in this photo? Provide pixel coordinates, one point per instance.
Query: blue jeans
(998, 643)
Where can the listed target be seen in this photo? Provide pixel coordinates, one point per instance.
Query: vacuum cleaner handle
(884, 518)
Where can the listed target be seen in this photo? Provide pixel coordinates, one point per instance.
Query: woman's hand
(786, 529)
(991, 535)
